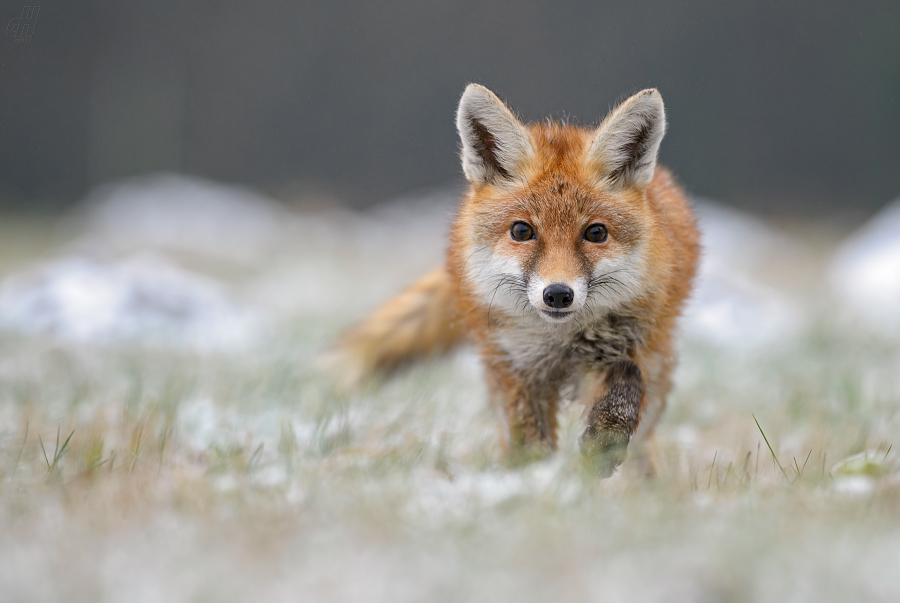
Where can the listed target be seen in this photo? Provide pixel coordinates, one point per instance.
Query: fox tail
(419, 322)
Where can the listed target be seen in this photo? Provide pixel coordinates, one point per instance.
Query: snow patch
(739, 241)
(188, 214)
(437, 496)
(865, 271)
(854, 485)
(732, 306)
(80, 300)
(734, 311)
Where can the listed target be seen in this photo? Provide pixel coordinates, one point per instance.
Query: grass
(133, 472)
(58, 451)
(224, 478)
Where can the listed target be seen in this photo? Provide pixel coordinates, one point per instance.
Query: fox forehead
(558, 193)
(559, 148)
(559, 205)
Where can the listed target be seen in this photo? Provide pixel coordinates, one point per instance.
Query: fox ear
(624, 148)
(496, 147)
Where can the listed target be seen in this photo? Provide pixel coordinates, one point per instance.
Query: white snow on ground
(292, 264)
(732, 310)
(185, 213)
(144, 297)
(138, 291)
(205, 422)
(732, 305)
(348, 262)
(739, 241)
(437, 497)
(865, 272)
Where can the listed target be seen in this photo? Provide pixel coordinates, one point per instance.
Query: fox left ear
(625, 145)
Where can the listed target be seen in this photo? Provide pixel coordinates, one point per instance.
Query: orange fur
(559, 180)
(418, 322)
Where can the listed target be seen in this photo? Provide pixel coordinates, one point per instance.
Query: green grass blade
(774, 456)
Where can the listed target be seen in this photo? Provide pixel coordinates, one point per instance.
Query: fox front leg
(528, 410)
(614, 417)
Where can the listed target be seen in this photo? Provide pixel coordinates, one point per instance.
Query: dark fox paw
(604, 450)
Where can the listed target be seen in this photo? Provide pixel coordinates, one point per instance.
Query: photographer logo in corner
(22, 28)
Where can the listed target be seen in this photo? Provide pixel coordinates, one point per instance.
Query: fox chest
(542, 350)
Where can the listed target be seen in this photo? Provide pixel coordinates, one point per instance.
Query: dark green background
(780, 106)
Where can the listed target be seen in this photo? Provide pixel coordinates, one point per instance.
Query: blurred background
(780, 107)
(196, 197)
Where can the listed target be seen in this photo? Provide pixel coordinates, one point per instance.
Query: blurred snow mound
(732, 306)
(185, 213)
(361, 257)
(734, 311)
(865, 271)
(435, 208)
(144, 297)
(739, 242)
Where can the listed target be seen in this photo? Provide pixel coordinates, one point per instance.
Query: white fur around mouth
(557, 315)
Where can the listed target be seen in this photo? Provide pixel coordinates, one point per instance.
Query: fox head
(557, 222)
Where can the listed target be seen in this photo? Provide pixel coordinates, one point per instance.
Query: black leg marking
(614, 418)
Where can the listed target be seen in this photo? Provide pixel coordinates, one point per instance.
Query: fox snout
(556, 301)
(559, 296)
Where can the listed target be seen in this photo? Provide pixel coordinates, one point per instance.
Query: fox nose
(558, 296)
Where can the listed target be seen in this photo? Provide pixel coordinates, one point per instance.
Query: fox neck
(544, 350)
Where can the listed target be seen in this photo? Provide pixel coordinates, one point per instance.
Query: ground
(139, 465)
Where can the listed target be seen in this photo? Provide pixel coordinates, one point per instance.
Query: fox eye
(521, 231)
(596, 233)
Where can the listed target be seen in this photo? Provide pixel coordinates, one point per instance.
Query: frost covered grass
(136, 465)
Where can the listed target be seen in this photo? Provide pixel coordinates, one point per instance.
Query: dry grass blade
(746, 471)
(254, 457)
(25, 441)
(711, 467)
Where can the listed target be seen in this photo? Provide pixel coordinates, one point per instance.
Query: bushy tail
(421, 321)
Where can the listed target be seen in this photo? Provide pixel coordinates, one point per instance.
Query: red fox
(568, 264)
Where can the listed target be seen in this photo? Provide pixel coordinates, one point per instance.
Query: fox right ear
(496, 147)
